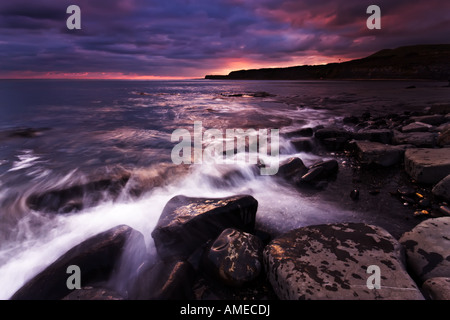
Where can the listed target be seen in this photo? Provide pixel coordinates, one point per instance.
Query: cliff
(431, 62)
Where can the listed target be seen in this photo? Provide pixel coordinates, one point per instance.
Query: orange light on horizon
(86, 76)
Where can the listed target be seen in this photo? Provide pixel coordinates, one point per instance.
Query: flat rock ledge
(428, 248)
(330, 262)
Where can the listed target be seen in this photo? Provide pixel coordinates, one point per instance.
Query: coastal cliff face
(429, 62)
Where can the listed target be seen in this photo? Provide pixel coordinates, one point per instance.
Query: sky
(173, 39)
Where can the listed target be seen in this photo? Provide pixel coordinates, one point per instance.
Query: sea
(55, 134)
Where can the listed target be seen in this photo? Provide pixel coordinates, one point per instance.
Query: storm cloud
(183, 38)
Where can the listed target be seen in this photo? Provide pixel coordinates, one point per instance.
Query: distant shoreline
(420, 62)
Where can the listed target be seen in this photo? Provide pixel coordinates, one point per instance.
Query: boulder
(332, 262)
(291, 167)
(303, 144)
(416, 127)
(442, 189)
(96, 257)
(303, 132)
(318, 172)
(375, 135)
(332, 132)
(92, 293)
(235, 257)
(171, 280)
(188, 223)
(444, 138)
(74, 198)
(427, 165)
(377, 153)
(433, 119)
(437, 288)
(418, 139)
(428, 248)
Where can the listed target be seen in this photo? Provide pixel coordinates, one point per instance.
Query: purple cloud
(191, 38)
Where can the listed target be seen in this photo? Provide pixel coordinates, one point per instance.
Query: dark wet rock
(291, 167)
(303, 144)
(235, 257)
(76, 197)
(330, 166)
(351, 119)
(187, 223)
(261, 94)
(317, 173)
(331, 261)
(433, 119)
(377, 153)
(444, 138)
(427, 165)
(334, 144)
(374, 135)
(437, 288)
(354, 194)
(440, 108)
(418, 139)
(445, 210)
(428, 248)
(96, 257)
(332, 132)
(442, 189)
(164, 281)
(92, 293)
(416, 127)
(303, 132)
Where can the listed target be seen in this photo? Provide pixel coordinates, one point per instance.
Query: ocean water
(55, 134)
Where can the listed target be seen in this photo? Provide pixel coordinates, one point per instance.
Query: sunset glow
(137, 39)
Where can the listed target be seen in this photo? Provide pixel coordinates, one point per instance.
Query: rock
(351, 119)
(291, 167)
(303, 144)
(354, 194)
(433, 119)
(418, 139)
(442, 189)
(444, 138)
(96, 257)
(164, 281)
(416, 127)
(317, 172)
(91, 293)
(444, 210)
(427, 165)
(377, 153)
(303, 132)
(235, 257)
(428, 248)
(375, 135)
(437, 288)
(187, 223)
(331, 132)
(74, 198)
(330, 167)
(334, 144)
(440, 108)
(331, 262)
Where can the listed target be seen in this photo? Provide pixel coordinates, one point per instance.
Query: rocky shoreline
(213, 249)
